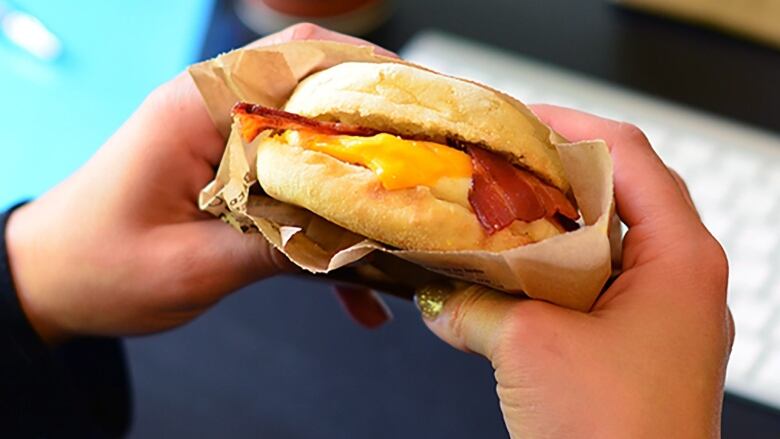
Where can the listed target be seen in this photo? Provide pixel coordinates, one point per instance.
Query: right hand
(649, 360)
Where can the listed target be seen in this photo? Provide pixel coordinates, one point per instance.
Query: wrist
(26, 260)
(645, 424)
(589, 401)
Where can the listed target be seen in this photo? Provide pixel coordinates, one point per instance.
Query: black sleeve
(78, 389)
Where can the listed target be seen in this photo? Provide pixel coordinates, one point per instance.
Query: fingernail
(376, 312)
(364, 306)
(430, 299)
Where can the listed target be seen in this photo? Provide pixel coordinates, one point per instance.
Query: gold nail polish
(430, 299)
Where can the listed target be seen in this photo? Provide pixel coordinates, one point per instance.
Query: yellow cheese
(397, 163)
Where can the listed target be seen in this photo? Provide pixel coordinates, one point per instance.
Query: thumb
(466, 316)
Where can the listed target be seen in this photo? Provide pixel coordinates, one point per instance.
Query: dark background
(279, 359)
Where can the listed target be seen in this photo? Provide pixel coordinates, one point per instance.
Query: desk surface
(243, 370)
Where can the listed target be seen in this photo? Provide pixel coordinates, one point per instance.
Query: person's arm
(121, 248)
(649, 360)
(76, 389)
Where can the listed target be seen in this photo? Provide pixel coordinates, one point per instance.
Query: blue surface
(55, 115)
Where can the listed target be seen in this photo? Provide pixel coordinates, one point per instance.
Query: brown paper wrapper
(568, 270)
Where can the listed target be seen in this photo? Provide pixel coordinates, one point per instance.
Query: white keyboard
(733, 172)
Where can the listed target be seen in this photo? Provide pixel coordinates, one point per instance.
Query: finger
(309, 31)
(683, 188)
(646, 192)
(175, 115)
(177, 107)
(465, 316)
(364, 306)
(730, 328)
(213, 259)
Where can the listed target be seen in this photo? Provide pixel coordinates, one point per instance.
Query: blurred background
(279, 359)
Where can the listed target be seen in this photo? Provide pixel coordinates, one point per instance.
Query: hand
(649, 359)
(121, 248)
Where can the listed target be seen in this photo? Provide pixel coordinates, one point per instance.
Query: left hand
(121, 248)
(649, 359)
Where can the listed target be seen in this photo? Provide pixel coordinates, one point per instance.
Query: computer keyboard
(732, 170)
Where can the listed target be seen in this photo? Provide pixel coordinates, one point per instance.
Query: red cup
(356, 17)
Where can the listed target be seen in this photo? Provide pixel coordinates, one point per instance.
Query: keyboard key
(692, 150)
(718, 224)
(739, 165)
(706, 190)
(757, 239)
(743, 356)
(768, 376)
(747, 276)
(657, 135)
(775, 331)
(751, 314)
(759, 201)
(773, 179)
(773, 292)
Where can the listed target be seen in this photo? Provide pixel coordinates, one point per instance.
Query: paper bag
(568, 270)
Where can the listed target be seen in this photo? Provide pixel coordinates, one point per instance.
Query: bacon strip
(502, 193)
(256, 119)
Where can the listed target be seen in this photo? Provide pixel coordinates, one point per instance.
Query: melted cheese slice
(398, 163)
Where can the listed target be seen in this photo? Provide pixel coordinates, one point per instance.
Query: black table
(279, 359)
